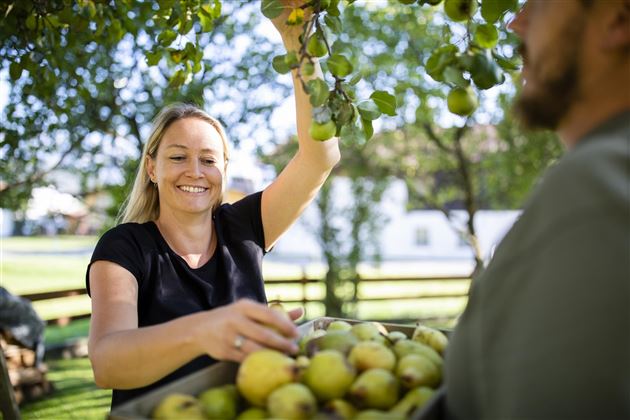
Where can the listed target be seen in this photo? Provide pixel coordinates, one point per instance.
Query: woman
(179, 284)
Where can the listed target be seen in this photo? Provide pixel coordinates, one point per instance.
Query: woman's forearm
(139, 357)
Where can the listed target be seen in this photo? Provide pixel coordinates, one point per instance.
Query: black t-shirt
(168, 288)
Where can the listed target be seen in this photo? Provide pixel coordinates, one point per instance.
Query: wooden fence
(304, 283)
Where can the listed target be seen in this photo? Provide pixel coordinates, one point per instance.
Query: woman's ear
(150, 167)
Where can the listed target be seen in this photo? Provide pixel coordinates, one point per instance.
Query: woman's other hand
(233, 331)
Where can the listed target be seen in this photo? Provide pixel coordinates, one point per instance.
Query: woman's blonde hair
(143, 203)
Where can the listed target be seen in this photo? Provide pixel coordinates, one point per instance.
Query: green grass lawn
(75, 395)
(47, 243)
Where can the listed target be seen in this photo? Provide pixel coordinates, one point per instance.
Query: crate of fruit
(344, 369)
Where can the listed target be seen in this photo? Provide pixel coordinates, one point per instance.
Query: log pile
(27, 377)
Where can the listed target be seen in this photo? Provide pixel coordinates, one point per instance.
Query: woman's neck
(193, 238)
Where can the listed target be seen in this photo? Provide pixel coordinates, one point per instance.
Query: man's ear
(617, 31)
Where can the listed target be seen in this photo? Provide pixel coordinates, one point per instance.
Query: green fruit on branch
(462, 101)
(322, 132)
(460, 10)
(262, 372)
(179, 406)
(316, 47)
(292, 401)
(329, 375)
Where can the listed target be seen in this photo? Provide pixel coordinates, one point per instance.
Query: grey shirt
(546, 333)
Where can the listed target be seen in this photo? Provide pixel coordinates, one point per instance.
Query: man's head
(571, 49)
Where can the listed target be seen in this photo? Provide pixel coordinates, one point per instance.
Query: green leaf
(321, 114)
(271, 8)
(333, 23)
(492, 10)
(486, 35)
(177, 79)
(485, 72)
(344, 114)
(454, 76)
(385, 101)
(291, 59)
(368, 129)
(15, 70)
(505, 63)
(308, 69)
(438, 61)
(318, 91)
(166, 37)
(207, 23)
(279, 64)
(355, 79)
(339, 65)
(153, 57)
(368, 110)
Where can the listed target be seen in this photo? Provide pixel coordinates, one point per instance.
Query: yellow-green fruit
(366, 331)
(413, 400)
(431, 337)
(407, 1)
(178, 406)
(375, 388)
(262, 372)
(339, 326)
(342, 341)
(395, 336)
(371, 354)
(329, 375)
(303, 342)
(220, 402)
(373, 414)
(405, 347)
(339, 409)
(416, 370)
(462, 101)
(322, 132)
(292, 401)
(253, 413)
(460, 10)
(316, 47)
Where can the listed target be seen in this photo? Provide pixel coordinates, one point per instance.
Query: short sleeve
(244, 221)
(120, 246)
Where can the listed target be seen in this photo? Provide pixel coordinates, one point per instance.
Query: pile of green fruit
(347, 371)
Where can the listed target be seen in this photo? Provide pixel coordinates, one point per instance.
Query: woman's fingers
(296, 313)
(269, 317)
(266, 336)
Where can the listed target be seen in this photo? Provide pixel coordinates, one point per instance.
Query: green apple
(462, 101)
(460, 10)
(316, 47)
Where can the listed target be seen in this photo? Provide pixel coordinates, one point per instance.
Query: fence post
(304, 281)
(8, 405)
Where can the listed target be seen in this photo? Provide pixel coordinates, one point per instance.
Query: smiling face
(552, 33)
(189, 168)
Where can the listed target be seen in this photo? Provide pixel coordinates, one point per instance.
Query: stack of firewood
(28, 379)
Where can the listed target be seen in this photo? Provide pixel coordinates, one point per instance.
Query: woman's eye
(208, 161)
(177, 158)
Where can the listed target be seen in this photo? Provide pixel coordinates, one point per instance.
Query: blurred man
(546, 333)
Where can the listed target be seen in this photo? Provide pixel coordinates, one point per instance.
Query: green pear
(292, 401)
(253, 413)
(262, 372)
(365, 331)
(460, 10)
(413, 399)
(395, 336)
(303, 342)
(417, 370)
(405, 347)
(371, 354)
(342, 341)
(179, 406)
(373, 414)
(339, 326)
(431, 337)
(339, 409)
(329, 375)
(375, 388)
(220, 402)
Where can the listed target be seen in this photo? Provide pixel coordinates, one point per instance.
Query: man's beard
(550, 100)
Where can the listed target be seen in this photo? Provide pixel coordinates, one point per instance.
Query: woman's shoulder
(129, 232)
